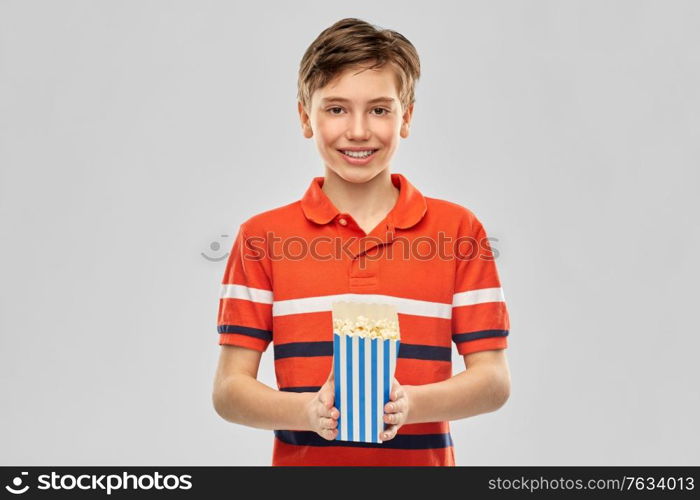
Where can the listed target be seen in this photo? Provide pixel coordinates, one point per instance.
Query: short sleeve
(245, 301)
(480, 319)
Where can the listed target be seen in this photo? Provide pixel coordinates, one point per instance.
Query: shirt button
(343, 222)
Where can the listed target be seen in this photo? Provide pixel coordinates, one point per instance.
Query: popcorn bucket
(365, 348)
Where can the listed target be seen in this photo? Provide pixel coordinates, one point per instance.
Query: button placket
(364, 268)
(359, 248)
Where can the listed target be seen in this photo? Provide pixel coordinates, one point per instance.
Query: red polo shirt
(287, 265)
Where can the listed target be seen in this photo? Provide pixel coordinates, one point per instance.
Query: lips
(373, 151)
(358, 149)
(358, 161)
(359, 157)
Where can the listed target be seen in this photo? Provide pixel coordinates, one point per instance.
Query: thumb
(326, 398)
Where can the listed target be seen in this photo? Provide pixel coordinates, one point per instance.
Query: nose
(358, 128)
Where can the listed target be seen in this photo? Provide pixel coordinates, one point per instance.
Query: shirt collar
(409, 209)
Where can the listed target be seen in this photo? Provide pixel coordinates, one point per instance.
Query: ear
(305, 122)
(406, 121)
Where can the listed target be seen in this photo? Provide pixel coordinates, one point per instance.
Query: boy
(355, 234)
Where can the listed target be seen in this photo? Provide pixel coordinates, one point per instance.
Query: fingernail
(390, 407)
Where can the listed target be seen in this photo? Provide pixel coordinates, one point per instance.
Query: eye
(330, 110)
(386, 111)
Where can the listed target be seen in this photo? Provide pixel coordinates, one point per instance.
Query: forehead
(360, 84)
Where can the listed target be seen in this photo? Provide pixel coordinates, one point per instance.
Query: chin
(357, 175)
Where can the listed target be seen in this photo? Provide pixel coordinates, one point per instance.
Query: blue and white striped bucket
(363, 374)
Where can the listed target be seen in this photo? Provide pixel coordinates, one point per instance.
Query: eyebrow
(342, 99)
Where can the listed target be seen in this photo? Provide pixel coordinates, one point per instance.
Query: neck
(362, 200)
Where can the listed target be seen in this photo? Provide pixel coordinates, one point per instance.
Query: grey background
(135, 134)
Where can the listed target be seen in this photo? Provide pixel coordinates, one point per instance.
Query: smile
(359, 154)
(358, 158)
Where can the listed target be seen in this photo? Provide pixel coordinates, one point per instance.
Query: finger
(396, 393)
(389, 432)
(393, 406)
(328, 423)
(398, 418)
(395, 389)
(326, 398)
(392, 418)
(329, 434)
(332, 412)
(324, 411)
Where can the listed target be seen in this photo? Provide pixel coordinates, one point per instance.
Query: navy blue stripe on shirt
(302, 388)
(325, 348)
(400, 441)
(246, 330)
(464, 337)
(303, 349)
(429, 352)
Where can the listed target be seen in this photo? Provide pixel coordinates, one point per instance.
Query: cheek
(389, 132)
(329, 132)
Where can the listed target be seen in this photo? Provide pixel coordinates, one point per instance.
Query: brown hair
(351, 42)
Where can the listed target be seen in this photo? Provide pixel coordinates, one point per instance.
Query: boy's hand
(322, 415)
(395, 411)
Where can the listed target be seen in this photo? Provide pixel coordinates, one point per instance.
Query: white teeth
(358, 154)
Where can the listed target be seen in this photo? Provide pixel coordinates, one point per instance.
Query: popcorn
(366, 341)
(365, 327)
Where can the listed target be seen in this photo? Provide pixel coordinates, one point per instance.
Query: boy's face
(357, 122)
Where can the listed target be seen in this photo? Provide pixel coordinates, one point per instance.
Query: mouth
(358, 154)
